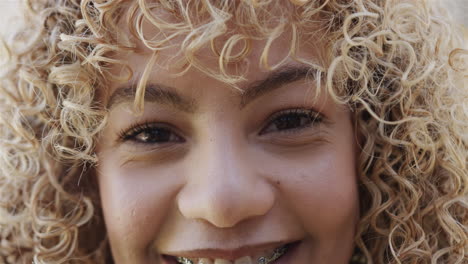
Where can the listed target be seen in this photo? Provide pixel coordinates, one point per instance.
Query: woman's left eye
(292, 120)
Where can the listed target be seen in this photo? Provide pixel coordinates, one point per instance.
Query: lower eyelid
(149, 148)
(151, 154)
(296, 140)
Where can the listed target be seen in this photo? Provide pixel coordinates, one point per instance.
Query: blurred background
(8, 12)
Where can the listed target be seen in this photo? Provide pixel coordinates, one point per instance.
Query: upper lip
(227, 253)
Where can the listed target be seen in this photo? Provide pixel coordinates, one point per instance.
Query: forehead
(233, 53)
(221, 34)
(254, 80)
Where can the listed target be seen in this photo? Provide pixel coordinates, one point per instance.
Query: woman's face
(208, 173)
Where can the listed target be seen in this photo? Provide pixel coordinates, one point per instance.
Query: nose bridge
(223, 187)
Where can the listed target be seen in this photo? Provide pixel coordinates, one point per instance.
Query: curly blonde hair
(399, 65)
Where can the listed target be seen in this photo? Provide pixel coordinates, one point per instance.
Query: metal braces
(277, 253)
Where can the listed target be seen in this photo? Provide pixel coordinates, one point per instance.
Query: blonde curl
(400, 66)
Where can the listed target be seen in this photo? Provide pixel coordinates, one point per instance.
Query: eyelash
(310, 116)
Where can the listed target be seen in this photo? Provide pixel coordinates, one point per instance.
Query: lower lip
(285, 259)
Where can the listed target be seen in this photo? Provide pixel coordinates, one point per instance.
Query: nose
(223, 186)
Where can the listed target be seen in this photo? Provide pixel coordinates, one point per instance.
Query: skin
(221, 181)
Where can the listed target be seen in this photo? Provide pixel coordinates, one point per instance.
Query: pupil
(289, 121)
(155, 135)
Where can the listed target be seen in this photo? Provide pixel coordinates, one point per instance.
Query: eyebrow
(166, 95)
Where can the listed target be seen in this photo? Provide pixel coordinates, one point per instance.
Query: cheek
(135, 202)
(322, 190)
(327, 197)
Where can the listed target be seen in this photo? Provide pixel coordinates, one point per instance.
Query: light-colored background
(9, 10)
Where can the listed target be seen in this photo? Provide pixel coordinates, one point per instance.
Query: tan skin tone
(228, 175)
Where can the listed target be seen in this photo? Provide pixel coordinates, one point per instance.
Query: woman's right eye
(150, 133)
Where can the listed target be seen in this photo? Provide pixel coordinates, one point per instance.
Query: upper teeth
(276, 254)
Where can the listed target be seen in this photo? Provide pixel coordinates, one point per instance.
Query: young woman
(254, 131)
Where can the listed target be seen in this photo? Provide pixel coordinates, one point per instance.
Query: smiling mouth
(265, 259)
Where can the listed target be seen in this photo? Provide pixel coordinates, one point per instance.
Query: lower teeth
(277, 253)
(183, 260)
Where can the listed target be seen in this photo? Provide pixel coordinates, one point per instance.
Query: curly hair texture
(400, 66)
